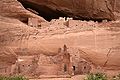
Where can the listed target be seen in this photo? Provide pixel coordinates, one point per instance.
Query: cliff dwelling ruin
(62, 64)
(61, 39)
(62, 22)
(86, 11)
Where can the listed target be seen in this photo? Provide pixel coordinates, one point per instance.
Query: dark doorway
(65, 67)
(73, 68)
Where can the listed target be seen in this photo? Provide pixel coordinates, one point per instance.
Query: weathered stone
(97, 43)
(14, 9)
(79, 9)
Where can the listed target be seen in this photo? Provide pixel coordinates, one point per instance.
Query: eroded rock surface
(79, 9)
(97, 43)
(14, 9)
(24, 39)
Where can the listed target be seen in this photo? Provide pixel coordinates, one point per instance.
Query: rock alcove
(54, 9)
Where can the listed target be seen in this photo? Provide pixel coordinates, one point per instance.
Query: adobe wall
(24, 65)
(33, 22)
(57, 23)
(83, 67)
(79, 65)
(44, 24)
(5, 69)
(60, 63)
(42, 64)
(78, 23)
(48, 69)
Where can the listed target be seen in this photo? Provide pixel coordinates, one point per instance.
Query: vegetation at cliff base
(13, 78)
(96, 76)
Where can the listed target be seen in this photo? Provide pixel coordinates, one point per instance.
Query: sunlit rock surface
(97, 43)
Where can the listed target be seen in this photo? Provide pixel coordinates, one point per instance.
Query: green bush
(13, 78)
(96, 76)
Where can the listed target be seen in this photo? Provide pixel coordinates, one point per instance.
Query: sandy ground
(78, 77)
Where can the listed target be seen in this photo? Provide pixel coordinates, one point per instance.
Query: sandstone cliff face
(117, 5)
(23, 39)
(79, 9)
(11, 9)
(14, 9)
(7, 55)
(100, 45)
(116, 8)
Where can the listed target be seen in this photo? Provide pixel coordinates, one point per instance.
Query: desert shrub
(13, 78)
(96, 76)
(116, 77)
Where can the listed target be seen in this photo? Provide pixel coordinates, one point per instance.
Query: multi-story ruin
(66, 22)
(62, 64)
(42, 65)
(39, 65)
